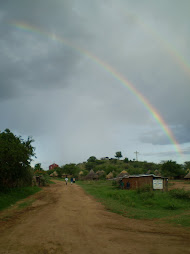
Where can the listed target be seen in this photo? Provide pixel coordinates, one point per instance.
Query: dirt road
(179, 185)
(64, 220)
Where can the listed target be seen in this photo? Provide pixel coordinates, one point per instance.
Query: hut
(100, 173)
(157, 172)
(122, 174)
(91, 175)
(110, 175)
(137, 181)
(80, 175)
(54, 174)
(187, 177)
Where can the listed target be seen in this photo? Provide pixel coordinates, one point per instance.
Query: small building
(91, 176)
(54, 174)
(133, 182)
(187, 177)
(100, 173)
(122, 174)
(110, 175)
(52, 166)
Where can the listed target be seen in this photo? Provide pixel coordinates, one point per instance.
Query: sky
(88, 78)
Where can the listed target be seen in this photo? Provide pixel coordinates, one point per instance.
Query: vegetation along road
(63, 219)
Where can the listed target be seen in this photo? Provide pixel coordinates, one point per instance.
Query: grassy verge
(59, 179)
(11, 196)
(26, 203)
(142, 205)
(49, 180)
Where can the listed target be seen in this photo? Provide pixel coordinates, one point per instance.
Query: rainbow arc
(118, 76)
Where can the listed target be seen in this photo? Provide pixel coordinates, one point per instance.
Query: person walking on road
(71, 180)
(66, 180)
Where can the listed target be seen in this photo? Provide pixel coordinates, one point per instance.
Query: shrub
(180, 194)
(171, 206)
(114, 183)
(145, 188)
(146, 195)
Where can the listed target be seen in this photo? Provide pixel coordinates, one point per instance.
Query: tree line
(106, 165)
(16, 155)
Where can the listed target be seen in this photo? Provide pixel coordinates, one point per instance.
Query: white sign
(158, 184)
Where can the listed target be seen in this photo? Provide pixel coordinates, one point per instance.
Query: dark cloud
(66, 98)
(169, 154)
(158, 137)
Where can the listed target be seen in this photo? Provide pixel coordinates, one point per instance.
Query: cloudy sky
(54, 85)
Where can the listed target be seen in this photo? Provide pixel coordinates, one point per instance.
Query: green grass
(11, 196)
(49, 180)
(182, 220)
(143, 205)
(25, 204)
(59, 179)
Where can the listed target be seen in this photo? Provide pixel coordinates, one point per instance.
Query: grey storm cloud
(185, 151)
(66, 99)
(158, 137)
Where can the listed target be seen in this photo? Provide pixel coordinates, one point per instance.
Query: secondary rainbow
(112, 71)
(170, 49)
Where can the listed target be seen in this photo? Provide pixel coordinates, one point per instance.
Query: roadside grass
(58, 178)
(25, 204)
(11, 196)
(182, 220)
(140, 205)
(49, 180)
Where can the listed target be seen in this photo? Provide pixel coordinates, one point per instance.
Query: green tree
(92, 159)
(118, 155)
(71, 169)
(126, 160)
(187, 165)
(15, 157)
(59, 171)
(38, 167)
(90, 165)
(172, 169)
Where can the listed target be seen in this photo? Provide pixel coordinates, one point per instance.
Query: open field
(63, 219)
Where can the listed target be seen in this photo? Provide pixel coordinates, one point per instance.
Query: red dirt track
(63, 220)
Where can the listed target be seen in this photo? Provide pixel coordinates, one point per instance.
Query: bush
(145, 188)
(114, 183)
(171, 206)
(180, 194)
(146, 195)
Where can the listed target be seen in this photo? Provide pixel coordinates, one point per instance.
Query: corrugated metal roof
(142, 175)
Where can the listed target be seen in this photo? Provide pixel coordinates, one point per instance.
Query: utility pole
(136, 155)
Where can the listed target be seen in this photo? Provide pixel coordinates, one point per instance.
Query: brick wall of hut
(137, 182)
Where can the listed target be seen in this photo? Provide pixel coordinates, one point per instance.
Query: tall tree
(172, 169)
(92, 159)
(118, 155)
(38, 166)
(187, 165)
(15, 157)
